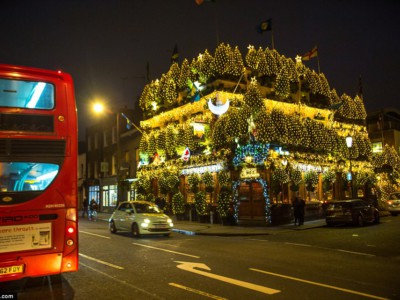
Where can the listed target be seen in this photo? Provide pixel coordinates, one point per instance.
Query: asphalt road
(342, 262)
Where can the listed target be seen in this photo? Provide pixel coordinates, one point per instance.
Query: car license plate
(160, 226)
(11, 270)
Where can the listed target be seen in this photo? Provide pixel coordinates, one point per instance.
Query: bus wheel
(112, 227)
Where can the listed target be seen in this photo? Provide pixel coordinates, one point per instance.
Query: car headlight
(169, 221)
(145, 223)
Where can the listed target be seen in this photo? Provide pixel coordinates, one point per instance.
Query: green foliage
(194, 180)
(200, 203)
(223, 202)
(178, 205)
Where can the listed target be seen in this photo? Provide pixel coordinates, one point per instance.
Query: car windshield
(339, 205)
(395, 196)
(143, 208)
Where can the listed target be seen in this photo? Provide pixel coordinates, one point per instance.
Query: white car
(392, 203)
(140, 218)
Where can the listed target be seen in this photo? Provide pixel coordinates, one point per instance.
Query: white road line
(98, 235)
(358, 253)
(319, 284)
(196, 291)
(153, 296)
(165, 250)
(101, 262)
(295, 244)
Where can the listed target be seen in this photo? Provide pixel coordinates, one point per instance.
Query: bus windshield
(26, 176)
(26, 94)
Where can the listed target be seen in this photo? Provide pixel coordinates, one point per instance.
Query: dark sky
(105, 45)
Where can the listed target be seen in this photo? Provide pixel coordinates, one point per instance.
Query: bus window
(26, 94)
(26, 176)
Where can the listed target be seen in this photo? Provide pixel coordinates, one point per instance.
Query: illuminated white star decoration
(298, 59)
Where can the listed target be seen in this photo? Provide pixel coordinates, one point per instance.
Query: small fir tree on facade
(236, 65)
(282, 84)
(221, 59)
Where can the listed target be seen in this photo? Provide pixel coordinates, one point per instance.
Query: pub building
(227, 137)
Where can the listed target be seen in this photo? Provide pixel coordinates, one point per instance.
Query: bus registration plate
(11, 270)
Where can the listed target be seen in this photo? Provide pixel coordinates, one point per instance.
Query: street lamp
(349, 143)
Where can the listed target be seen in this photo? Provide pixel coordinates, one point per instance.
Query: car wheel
(330, 224)
(360, 221)
(166, 234)
(377, 218)
(113, 228)
(135, 230)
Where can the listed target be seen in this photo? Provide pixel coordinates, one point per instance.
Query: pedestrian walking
(85, 205)
(302, 206)
(296, 213)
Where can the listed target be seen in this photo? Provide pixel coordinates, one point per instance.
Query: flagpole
(272, 39)
(319, 70)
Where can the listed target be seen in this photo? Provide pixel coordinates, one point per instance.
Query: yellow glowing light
(98, 107)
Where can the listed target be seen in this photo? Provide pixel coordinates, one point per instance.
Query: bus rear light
(71, 214)
(70, 230)
(70, 242)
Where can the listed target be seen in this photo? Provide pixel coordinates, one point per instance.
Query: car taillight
(390, 202)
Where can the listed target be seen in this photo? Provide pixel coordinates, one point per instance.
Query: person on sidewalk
(295, 204)
(85, 205)
(301, 209)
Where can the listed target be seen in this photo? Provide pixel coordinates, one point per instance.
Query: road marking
(98, 235)
(190, 266)
(303, 245)
(358, 253)
(101, 262)
(124, 282)
(319, 284)
(165, 250)
(196, 291)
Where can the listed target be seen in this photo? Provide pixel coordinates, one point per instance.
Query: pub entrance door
(251, 202)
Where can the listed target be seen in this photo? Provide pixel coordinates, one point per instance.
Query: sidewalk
(196, 228)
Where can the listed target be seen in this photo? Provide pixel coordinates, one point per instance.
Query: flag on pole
(265, 26)
(310, 54)
(175, 54)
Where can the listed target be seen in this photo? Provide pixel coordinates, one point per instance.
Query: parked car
(140, 217)
(392, 203)
(355, 211)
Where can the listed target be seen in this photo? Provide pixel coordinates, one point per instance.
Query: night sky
(105, 45)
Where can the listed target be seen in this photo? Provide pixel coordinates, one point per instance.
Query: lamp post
(349, 143)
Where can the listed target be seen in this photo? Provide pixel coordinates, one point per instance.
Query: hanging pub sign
(249, 173)
(186, 154)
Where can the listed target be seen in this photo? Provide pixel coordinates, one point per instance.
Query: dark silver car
(392, 203)
(355, 211)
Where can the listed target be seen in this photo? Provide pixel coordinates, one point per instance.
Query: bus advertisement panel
(38, 173)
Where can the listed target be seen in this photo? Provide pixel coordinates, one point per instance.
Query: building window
(89, 143)
(96, 141)
(377, 147)
(105, 144)
(114, 135)
(114, 165)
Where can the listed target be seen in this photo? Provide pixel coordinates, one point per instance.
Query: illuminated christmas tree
(143, 144)
(282, 84)
(252, 59)
(206, 63)
(324, 86)
(161, 139)
(360, 112)
(167, 91)
(281, 125)
(152, 144)
(253, 98)
(170, 143)
(272, 69)
(266, 132)
(236, 65)
(222, 58)
(184, 75)
(189, 138)
(174, 73)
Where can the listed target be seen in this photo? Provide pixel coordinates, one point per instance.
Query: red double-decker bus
(38, 173)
